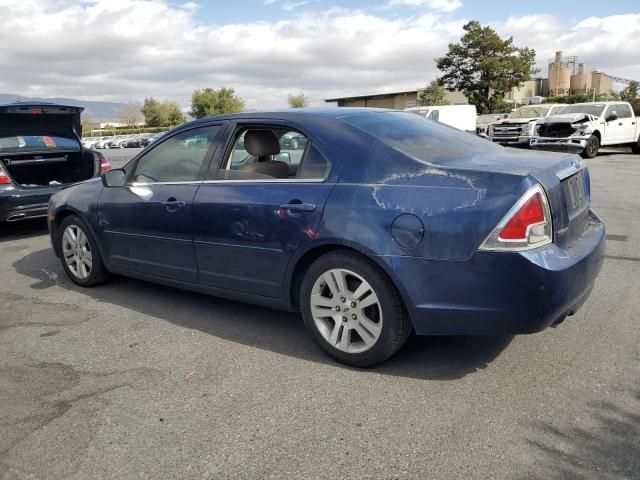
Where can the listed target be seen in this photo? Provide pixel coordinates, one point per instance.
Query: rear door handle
(298, 207)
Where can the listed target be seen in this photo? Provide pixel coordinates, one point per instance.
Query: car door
(614, 129)
(627, 122)
(248, 224)
(147, 223)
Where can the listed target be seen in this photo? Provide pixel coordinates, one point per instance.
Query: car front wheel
(592, 147)
(79, 253)
(353, 310)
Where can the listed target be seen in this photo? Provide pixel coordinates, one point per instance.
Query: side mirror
(611, 117)
(114, 178)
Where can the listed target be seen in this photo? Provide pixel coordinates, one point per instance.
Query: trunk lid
(565, 178)
(40, 119)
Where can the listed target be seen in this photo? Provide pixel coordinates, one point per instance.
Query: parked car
(40, 151)
(103, 142)
(148, 141)
(483, 122)
(388, 224)
(137, 141)
(293, 141)
(120, 141)
(584, 127)
(462, 117)
(518, 128)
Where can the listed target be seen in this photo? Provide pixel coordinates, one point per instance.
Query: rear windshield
(419, 138)
(592, 109)
(38, 143)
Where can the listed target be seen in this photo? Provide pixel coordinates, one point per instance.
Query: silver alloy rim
(346, 310)
(77, 251)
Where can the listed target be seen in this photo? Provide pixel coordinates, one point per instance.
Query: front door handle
(172, 204)
(298, 207)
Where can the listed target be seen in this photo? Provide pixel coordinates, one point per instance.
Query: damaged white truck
(585, 127)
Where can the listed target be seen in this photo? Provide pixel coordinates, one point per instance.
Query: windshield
(530, 112)
(40, 142)
(419, 138)
(589, 108)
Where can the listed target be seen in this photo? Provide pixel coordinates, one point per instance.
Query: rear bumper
(24, 203)
(569, 144)
(497, 293)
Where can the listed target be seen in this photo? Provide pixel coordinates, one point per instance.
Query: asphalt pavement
(134, 380)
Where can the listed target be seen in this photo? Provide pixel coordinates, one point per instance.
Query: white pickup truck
(585, 127)
(517, 129)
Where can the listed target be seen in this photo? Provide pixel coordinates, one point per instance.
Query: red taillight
(529, 214)
(527, 225)
(4, 178)
(105, 166)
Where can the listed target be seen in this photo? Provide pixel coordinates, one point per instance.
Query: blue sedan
(384, 224)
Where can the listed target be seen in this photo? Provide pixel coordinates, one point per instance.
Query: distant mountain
(99, 111)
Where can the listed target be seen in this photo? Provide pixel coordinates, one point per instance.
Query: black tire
(396, 326)
(592, 147)
(635, 148)
(98, 272)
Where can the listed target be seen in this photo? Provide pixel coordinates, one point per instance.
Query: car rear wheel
(592, 147)
(79, 253)
(353, 310)
(635, 148)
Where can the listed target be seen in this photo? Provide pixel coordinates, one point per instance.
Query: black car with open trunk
(40, 153)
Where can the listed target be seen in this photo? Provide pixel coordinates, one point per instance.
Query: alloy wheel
(76, 251)
(346, 310)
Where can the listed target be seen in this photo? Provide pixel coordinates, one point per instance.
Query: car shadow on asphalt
(429, 358)
(22, 229)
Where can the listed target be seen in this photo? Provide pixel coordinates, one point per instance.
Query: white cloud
(130, 49)
(290, 6)
(440, 5)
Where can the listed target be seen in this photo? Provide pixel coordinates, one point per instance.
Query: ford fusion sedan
(40, 152)
(383, 225)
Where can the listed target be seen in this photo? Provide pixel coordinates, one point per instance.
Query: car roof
(299, 114)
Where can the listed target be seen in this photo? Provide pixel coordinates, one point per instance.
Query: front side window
(273, 153)
(179, 158)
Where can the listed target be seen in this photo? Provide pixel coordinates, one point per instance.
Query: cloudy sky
(125, 50)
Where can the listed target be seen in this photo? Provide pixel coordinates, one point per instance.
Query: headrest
(261, 142)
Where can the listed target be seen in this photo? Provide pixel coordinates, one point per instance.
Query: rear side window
(425, 141)
(624, 111)
(264, 153)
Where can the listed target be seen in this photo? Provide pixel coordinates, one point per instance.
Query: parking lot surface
(134, 380)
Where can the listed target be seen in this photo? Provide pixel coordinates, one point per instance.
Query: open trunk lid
(40, 119)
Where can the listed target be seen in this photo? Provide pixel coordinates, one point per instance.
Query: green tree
(172, 113)
(484, 66)
(152, 112)
(161, 114)
(208, 101)
(297, 101)
(630, 93)
(434, 94)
